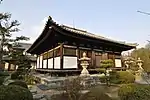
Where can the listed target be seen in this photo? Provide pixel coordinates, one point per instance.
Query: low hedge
(125, 77)
(14, 92)
(121, 77)
(19, 83)
(134, 92)
(16, 75)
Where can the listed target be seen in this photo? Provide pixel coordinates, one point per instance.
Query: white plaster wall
(6, 66)
(41, 58)
(57, 63)
(70, 62)
(44, 63)
(118, 63)
(12, 67)
(50, 63)
(38, 62)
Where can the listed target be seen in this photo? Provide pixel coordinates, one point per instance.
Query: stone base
(84, 75)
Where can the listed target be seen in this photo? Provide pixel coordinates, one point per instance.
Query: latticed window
(50, 54)
(88, 53)
(117, 56)
(57, 52)
(45, 55)
(70, 51)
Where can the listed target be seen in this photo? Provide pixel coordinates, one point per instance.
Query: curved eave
(121, 45)
(41, 36)
(51, 24)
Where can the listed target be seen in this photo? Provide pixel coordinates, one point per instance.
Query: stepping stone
(43, 87)
(43, 99)
(33, 91)
(38, 96)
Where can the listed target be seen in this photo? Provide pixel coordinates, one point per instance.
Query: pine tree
(7, 27)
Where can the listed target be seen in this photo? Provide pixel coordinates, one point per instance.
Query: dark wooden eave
(51, 28)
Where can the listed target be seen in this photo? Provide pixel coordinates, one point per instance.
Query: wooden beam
(93, 59)
(53, 58)
(42, 61)
(77, 52)
(61, 56)
(47, 60)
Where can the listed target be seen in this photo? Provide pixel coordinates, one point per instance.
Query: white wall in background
(57, 63)
(37, 63)
(118, 63)
(6, 66)
(50, 63)
(44, 63)
(41, 59)
(70, 62)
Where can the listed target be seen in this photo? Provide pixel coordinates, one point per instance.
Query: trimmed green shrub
(102, 70)
(19, 83)
(14, 92)
(121, 77)
(16, 75)
(103, 79)
(134, 92)
(125, 77)
(113, 77)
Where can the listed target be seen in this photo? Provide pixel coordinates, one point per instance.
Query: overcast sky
(116, 19)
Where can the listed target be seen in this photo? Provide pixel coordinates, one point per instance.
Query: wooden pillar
(53, 58)
(42, 61)
(47, 60)
(61, 56)
(78, 55)
(93, 59)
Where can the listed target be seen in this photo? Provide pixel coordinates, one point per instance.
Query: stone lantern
(84, 62)
(140, 63)
(140, 69)
(128, 62)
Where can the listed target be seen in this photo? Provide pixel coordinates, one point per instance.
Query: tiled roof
(23, 46)
(82, 32)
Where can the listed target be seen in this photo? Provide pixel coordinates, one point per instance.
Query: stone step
(38, 96)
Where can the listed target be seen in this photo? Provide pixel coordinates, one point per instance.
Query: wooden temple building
(60, 47)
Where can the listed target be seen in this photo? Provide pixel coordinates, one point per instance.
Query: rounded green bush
(125, 77)
(134, 92)
(19, 83)
(122, 77)
(14, 92)
(113, 77)
(103, 79)
(16, 75)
